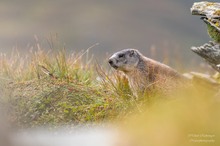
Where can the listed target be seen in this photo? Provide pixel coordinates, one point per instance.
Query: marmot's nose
(110, 61)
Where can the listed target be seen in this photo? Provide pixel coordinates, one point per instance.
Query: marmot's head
(125, 60)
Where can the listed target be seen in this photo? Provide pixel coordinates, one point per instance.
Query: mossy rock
(210, 13)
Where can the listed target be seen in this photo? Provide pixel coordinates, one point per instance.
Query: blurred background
(161, 29)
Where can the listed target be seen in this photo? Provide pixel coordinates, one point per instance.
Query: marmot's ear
(132, 53)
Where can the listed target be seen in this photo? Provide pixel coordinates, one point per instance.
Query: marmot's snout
(112, 61)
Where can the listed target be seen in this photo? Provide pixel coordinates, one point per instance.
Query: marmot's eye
(121, 55)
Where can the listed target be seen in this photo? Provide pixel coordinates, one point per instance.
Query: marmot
(142, 72)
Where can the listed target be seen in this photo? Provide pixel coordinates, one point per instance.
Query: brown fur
(149, 74)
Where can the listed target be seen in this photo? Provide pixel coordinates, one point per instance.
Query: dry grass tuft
(53, 88)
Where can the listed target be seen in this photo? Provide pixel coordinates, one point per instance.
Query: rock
(206, 9)
(210, 52)
(210, 13)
